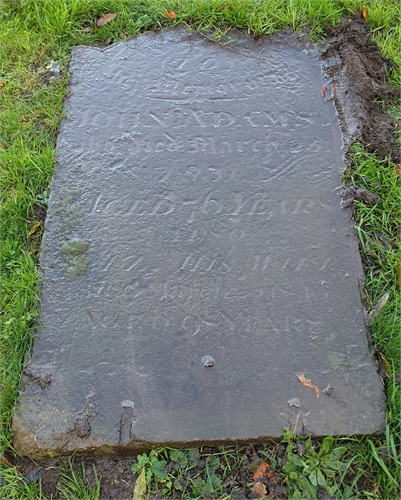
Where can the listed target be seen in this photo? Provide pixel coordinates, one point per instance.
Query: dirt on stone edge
(357, 69)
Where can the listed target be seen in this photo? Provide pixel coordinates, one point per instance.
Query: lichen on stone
(74, 247)
(76, 261)
(76, 266)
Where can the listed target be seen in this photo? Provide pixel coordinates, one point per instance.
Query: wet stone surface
(196, 259)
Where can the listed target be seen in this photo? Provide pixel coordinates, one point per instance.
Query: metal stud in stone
(208, 361)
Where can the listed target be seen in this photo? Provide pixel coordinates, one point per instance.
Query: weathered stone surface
(196, 259)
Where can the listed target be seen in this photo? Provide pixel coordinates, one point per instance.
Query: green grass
(14, 488)
(34, 34)
(73, 485)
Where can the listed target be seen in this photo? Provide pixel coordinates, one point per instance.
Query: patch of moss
(74, 247)
(75, 258)
(76, 266)
(68, 210)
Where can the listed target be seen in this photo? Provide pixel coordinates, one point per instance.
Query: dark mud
(358, 71)
(117, 478)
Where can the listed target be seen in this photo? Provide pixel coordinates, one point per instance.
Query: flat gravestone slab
(196, 260)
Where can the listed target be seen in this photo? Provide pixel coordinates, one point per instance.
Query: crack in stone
(81, 420)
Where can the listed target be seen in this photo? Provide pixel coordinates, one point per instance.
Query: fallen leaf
(324, 90)
(35, 227)
(140, 486)
(105, 19)
(261, 471)
(374, 313)
(259, 490)
(386, 364)
(333, 89)
(4, 461)
(3, 146)
(3, 84)
(365, 12)
(398, 169)
(170, 14)
(308, 383)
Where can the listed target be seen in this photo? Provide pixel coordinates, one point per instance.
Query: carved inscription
(203, 276)
(194, 118)
(202, 180)
(211, 203)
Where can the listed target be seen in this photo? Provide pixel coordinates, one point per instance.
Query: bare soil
(358, 72)
(356, 68)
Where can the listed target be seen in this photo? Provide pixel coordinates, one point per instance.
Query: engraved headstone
(200, 280)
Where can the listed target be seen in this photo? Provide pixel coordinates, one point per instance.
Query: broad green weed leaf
(309, 445)
(143, 460)
(179, 457)
(200, 487)
(215, 482)
(313, 478)
(193, 456)
(168, 485)
(337, 453)
(158, 469)
(212, 462)
(149, 475)
(348, 493)
(326, 445)
(336, 465)
(308, 490)
(320, 478)
(295, 461)
(179, 483)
